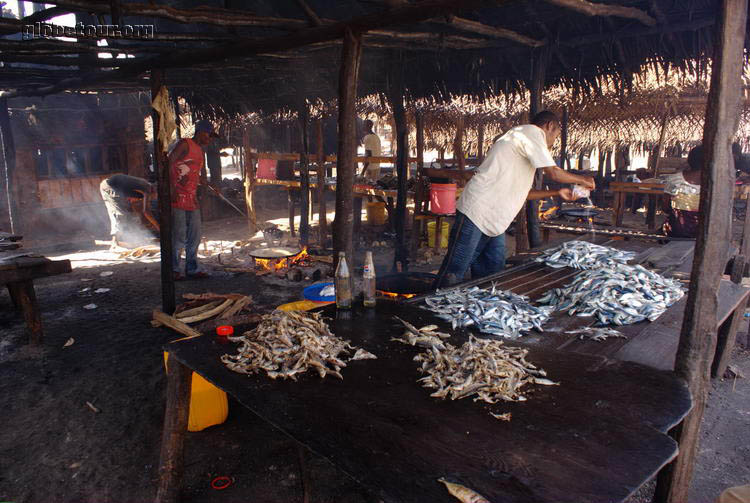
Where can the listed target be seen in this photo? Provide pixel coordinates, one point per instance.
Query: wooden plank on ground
(671, 255)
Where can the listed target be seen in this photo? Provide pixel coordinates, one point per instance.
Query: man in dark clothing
(117, 191)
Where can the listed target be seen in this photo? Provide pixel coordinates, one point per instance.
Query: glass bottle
(343, 284)
(368, 281)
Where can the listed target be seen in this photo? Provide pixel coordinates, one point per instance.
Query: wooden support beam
(304, 173)
(419, 190)
(165, 205)
(24, 296)
(249, 181)
(536, 89)
(177, 411)
(600, 9)
(471, 26)
(310, 13)
(697, 339)
(346, 166)
(8, 152)
(564, 140)
(321, 172)
(458, 143)
(480, 143)
(660, 146)
(396, 92)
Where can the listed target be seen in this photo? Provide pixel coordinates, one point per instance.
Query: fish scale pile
(492, 311)
(584, 255)
(482, 367)
(618, 294)
(285, 344)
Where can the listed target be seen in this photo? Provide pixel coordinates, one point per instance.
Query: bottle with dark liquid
(368, 281)
(343, 283)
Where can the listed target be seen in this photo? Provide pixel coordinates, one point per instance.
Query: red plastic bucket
(443, 198)
(266, 169)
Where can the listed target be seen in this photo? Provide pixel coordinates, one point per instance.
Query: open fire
(396, 296)
(279, 264)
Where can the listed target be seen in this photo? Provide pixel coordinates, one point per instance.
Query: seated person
(682, 197)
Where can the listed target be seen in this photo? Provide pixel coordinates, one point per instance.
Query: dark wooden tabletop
(595, 438)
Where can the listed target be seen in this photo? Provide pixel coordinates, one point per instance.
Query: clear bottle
(368, 281)
(343, 283)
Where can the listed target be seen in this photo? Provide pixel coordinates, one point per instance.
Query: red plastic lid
(225, 330)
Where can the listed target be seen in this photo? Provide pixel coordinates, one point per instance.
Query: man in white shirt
(497, 192)
(371, 170)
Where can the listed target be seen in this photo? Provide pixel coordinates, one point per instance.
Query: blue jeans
(468, 248)
(186, 233)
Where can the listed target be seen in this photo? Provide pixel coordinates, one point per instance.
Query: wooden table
(595, 438)
(18, 274)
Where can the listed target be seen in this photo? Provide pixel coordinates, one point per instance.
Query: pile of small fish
(482, 367)
(619, 294)
(425, 337)
(596, 333)
(491, 311)
(285, 344)
(584, 255)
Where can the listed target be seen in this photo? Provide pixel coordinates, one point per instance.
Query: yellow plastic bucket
(431, 234)
(376, 214)
(208, 404)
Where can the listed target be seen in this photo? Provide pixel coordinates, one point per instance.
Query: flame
(547, 214)
(397, 295)
(271, 264)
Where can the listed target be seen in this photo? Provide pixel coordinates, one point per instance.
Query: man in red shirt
(185, 174)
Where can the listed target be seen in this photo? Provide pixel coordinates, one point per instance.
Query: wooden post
(171, 458)
(304, 173)
(9, 165)
(402, 163)
(727, 335)
(480, 143)
(24, 297)
(321, 171)
(165, 204)
(602, 157)
(347, 146)
(249, 182)
(458, 144)
(697, 339)
(419, 192)
(564, 139)
(536, 87)
(660, 145)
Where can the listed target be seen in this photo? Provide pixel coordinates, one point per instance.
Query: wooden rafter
(471, 26)
(599, 9)
(310, 13)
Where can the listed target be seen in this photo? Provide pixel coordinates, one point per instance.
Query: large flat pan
(273, 252)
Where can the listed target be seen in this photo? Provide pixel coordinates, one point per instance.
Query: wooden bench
(18, 274)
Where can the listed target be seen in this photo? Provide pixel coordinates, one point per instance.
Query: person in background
(495, 194)
(371, 170)
(117, 191)
(682, 197)
(185, 175)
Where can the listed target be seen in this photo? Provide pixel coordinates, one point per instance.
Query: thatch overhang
(264, 55)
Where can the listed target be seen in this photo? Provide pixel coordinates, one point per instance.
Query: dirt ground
(55, 448)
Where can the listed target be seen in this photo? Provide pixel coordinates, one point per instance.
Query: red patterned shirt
(185, 176)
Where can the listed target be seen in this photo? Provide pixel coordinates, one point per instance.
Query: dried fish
(426, 337)
(463, 493)
(620, 294)
(363, 354)
(288, 343)
(482, 367)
(597, 333)
(501, 417)
(492, 311)
(584, 255)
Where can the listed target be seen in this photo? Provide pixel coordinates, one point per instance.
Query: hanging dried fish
(288, 343)
(619, 294)
(482, 367)
(584, 255)
(492, 311)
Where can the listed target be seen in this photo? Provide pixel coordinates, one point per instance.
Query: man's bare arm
(565, 194)
(562, 176)
(179, 152)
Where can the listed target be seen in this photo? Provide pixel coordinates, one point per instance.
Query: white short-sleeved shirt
(372, 143)
(498, 190)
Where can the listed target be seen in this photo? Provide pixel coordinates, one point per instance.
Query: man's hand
(566, 194)
(588, 183)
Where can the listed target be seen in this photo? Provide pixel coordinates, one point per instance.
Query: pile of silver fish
(584, 255)
(425, 337)
(596, 333)
(620, 294)
(491, 311)
(285, 344)
(482, 367)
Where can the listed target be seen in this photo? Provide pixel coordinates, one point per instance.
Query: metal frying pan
(579, 213)
(274, 252)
